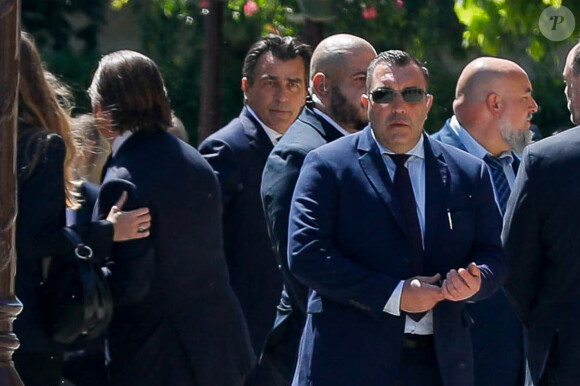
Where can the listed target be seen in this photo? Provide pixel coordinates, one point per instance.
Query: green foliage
(510, 28)
(498, 26)
(444, 33)
(271, 16)
(49, 21)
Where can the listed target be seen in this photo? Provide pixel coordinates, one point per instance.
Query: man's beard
(344, 111)
(517, 139)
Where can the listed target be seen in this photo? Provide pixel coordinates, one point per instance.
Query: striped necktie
(500, 182)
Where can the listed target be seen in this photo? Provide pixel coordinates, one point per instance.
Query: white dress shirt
(416, 167)
(272, 134)
(331, 121)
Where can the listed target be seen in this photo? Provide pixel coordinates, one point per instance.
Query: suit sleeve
(131, 265)
(521, 238)
(278, 183)
(313, 256)
(488, 253)
(222, 160)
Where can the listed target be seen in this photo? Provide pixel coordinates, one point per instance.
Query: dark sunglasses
(387, 94)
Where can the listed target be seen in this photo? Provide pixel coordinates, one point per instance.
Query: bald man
(493, 109)
(337, 81)
(542, 241)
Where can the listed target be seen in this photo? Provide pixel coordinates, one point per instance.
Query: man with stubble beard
(337, 81)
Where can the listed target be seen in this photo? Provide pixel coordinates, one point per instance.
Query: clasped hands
(422, 293)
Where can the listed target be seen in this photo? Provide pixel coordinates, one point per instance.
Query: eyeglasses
(387, 94)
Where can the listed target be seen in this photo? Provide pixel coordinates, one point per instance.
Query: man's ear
(319, 86)
(429, 102)
(364, 99)
(494, 103)
(245, 84)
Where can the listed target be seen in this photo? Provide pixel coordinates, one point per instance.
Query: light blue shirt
(474, 148)
(416, 167)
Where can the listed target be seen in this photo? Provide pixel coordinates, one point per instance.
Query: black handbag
(75, 297)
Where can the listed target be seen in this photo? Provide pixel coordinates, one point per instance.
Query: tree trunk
(211, 80)
(10, 306)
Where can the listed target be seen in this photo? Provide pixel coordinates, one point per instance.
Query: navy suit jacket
(176, 320)
(497, 333)
(307, 133)
(348, 243)
(238, 153)
(541, 240)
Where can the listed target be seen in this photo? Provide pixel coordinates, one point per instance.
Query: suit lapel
(448, 136)
(436, 189)
(374, 167)
(325, 128)
(257, 137)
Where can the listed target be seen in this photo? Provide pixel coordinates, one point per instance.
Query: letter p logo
(557, 20)
(557, 23)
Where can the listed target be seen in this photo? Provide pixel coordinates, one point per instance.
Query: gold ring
(141, 229)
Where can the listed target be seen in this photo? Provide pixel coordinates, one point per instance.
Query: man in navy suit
(176, 320)
(376, 219)
(275, 73)
(493, 110)
(337, 81)
(542, 243)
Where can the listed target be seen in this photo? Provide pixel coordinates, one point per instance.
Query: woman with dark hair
(45, 154)
(177, 320)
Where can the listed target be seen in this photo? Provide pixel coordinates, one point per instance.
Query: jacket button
(462, 365)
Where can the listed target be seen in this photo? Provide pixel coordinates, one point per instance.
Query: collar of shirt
(416, 166)
(473, 147)
(417, 151)
(119, 141)
(272, 134)
(331, 121)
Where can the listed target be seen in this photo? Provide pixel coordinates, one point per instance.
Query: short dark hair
(129, 89)
(395, 58)
(283, 48)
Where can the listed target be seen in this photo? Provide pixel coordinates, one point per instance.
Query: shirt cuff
(394, 303)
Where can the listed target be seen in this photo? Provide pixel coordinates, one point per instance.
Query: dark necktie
(406, 198)
(500, 182)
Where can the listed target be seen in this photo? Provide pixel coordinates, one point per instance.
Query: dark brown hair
(283, 48)
(395, 58)
(128, 88)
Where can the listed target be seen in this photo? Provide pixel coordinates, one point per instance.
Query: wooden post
(10, 306)
(211, 77)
